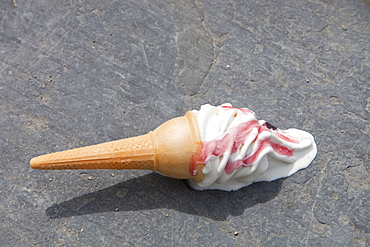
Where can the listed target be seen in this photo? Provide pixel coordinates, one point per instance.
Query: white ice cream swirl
(238, 150)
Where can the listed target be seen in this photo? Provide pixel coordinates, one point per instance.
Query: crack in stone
(214, 60)
(195, 45)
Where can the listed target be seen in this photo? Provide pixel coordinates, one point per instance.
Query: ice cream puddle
(217, 147)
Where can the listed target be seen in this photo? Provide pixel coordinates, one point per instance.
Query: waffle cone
(168, 149)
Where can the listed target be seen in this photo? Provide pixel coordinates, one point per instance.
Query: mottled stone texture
(76, 73)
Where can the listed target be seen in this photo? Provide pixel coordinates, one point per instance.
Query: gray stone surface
(76, 73)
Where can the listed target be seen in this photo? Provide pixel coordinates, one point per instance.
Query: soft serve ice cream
(238, 150)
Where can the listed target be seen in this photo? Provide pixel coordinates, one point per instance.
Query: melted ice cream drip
(238, 150)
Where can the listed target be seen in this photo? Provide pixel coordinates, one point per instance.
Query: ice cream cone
(169, 150)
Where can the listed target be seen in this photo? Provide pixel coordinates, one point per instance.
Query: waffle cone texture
(169, 150)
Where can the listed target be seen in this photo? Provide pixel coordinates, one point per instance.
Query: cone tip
(35, 163)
